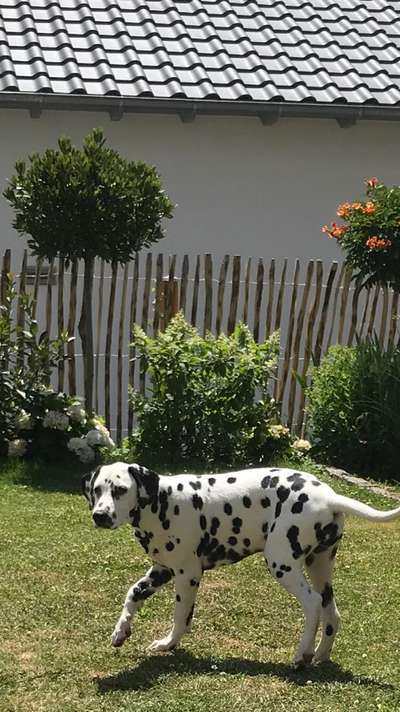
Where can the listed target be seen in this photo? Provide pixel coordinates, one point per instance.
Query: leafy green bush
(208, 401)
(34, 420)
(354, 404)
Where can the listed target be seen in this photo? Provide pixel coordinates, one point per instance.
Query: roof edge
(188, 109)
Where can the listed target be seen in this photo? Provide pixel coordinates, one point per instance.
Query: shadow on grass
(150, 670)
(45, 476)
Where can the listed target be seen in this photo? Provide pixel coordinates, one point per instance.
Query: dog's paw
(161, 646)
(121, 632)
(306, 659)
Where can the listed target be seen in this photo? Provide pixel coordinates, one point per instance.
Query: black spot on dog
(203, 522)
(231, 480)
(236, 524)
(181, 571)
(227, 508)
(285, 568)
(166, 524)
(298, 481)
(293, 537)
(178, 598)
(176, 510)
(246, 502)
(316, 483)
(265, 481)
(265, 502)
(273, 527)
(214, 526)
(298, 506)
(334, 552)
(195, 485)
(274, 564)
(327, 536)
(282, 493)
(233, 556)
(170, 546)
(155, 551)
(159, 577)
(197, 501)
(310, 559)
(329, 629)
(232, 541)
(327, 595)
(163, 499)
(169, 490)
(180, 487)
(279, 574)
(246, 542)
(265, 527)
(211, 481)
(274, 481)
(141, 591)
(194, 582)
(134, 516)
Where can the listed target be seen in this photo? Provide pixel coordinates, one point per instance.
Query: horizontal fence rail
(314, 304)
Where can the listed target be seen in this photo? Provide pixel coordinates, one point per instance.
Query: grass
(62, 584)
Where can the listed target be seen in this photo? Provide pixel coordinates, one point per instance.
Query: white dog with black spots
(188, 524)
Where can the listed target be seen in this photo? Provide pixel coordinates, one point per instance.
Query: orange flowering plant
(369, 234)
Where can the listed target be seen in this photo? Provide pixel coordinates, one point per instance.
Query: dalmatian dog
(188, 524)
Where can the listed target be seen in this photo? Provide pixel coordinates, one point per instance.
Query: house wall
(241, 187)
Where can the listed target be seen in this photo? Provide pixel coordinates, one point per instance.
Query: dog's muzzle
(102, 519)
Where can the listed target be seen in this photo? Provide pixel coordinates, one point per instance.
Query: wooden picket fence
(313, 305)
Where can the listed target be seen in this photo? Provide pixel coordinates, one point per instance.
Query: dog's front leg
(151, 582)
(186, 586)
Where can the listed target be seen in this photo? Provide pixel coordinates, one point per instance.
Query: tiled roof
(344, 51)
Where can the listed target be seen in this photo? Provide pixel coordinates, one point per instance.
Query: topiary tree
(87, 203)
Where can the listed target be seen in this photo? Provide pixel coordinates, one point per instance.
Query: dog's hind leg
(151, 582)
(186, 587)
(320, 569)
(288, 571)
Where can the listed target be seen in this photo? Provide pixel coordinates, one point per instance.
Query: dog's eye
(97, 491)
(119, 491)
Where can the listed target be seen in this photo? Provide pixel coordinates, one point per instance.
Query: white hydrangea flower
(17, 448)
(100, 436)
(302, 445)
(81, 448)
(23, 420)
(278, 431)
(55, 420)
(77, 413)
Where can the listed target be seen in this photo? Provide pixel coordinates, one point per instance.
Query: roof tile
(233, 50)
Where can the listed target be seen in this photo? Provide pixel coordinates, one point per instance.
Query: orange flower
(343, 210)
(371, 183)
(369, 208)
(335, 230)
(378, 243)
(357, 206)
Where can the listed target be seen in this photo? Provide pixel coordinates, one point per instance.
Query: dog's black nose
(102, 519)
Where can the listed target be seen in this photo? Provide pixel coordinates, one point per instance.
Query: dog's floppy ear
(87, 484)
(145, 478)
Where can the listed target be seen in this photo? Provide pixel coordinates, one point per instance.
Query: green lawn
(62, 584)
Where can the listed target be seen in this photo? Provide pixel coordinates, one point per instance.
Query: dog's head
(116, 492)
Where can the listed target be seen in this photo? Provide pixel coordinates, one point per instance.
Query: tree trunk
(85, 329)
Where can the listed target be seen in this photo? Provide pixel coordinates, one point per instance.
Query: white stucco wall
(241, 187)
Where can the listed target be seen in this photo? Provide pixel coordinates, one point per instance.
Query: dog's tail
(347, 505)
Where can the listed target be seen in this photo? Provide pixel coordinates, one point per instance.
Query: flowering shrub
(34, 420)
(370, 234)
(56, 425)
